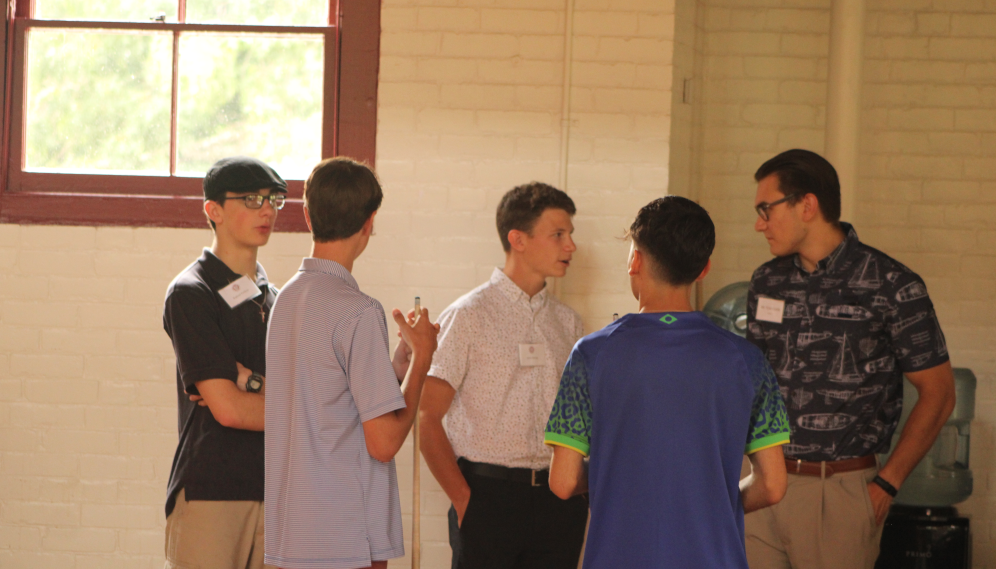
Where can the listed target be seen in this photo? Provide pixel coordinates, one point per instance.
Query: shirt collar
(836, 258)
(312, 264)
(221, 275)
(515, 294)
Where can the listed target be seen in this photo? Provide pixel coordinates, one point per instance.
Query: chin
(258, 240)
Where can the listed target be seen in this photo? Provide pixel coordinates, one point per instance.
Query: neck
(241, 259)
(343, 251)
(821, 239)
(530, 281)
(659, 297)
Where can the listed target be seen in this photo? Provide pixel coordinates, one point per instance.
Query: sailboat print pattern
(849, 330)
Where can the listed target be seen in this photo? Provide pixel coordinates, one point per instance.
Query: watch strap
(885, 485)
(255, 377)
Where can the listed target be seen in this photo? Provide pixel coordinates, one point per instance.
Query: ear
(705, 271)
(517, 239)
(213, 210)
(307, 219)
(635, 263)
(810, 207)
(368, 225)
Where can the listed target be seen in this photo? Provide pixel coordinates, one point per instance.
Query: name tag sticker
(240, 291)
(531, 355)
(770, 310)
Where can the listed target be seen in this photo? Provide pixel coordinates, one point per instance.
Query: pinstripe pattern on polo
(329, 504)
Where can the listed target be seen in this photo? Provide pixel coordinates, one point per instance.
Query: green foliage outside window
(100, 99)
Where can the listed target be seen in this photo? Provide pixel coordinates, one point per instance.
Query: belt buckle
(533, 481)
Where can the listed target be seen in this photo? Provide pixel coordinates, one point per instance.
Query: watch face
(254, 385)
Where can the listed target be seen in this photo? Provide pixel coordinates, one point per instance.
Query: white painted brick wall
(470, 105)
(470, 101)
(927, 194)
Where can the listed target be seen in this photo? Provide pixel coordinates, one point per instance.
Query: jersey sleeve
(371, 377)
(769, 425)
(570, 421)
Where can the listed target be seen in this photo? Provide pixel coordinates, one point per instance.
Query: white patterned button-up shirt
(501, 408)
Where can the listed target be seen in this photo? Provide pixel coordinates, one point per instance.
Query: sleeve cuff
(556, 439)
(767, 442)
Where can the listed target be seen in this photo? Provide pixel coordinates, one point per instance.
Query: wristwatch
(255, 383)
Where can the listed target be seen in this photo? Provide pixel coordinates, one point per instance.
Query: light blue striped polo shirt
(329, 504)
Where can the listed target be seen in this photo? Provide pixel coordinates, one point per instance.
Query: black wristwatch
(885, 485)
(255, 383)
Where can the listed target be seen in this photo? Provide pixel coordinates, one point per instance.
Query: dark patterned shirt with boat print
(848, 332)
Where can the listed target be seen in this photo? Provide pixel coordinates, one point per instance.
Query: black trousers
(512, 525)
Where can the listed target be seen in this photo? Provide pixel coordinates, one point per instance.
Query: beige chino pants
(821, 523)
(203, 534)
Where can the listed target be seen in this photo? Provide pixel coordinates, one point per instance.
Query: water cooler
(923, 530)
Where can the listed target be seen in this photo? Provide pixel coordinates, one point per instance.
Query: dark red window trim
(349, 129)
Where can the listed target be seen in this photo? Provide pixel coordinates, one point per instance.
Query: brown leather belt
(829, 467)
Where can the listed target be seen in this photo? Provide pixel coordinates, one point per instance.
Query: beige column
(847, 34)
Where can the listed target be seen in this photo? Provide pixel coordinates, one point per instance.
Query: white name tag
(531, 355)
(239, 292)
(770, 310)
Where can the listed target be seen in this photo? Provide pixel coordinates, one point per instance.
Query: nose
(267, 208)
(570, 245)
(760, 224)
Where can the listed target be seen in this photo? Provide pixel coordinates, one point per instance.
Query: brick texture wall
(762, 90)
(926, 191)
(470, 105)
(471, 98)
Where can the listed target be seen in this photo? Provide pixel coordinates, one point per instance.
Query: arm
(385, 434)
(568, 473)
(935, 387)
(436, 447)
(230, 404)
(765, 485)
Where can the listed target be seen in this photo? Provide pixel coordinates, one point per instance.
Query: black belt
(520, 475)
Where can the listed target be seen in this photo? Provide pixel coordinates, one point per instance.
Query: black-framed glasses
(763, 207)
(255, 201)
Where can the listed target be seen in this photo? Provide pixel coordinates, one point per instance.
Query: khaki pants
(203, 534)
(822, 523)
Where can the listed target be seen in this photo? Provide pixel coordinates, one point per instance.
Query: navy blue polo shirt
(213, 462)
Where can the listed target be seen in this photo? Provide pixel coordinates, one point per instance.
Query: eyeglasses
(255, 201)
(763, 207)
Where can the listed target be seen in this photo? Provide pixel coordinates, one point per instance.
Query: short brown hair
(341, 194)
(523, 205)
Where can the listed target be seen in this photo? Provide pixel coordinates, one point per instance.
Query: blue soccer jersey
(666, 405)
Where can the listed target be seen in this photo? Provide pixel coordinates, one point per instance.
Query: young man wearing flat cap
(215, 313)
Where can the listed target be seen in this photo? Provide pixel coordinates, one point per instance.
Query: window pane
(250, 95)
(108, 11)
(98, 100)
(258, 12)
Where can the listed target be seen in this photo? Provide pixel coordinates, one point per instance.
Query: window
(114, 109)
